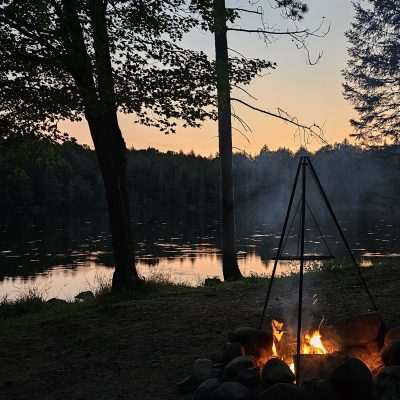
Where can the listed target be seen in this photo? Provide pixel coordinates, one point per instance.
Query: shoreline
(140, 346)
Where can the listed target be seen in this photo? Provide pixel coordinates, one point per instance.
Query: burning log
(319, 366)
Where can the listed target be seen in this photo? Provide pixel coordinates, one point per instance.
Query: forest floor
(138, 348)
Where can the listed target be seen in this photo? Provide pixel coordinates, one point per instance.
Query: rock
(231, 391)
(391, 353)
(317, 390)
(356, 331)
(387, 383)
(203, 369)
(212, 282)
(276, 371)
(249, 377)
(281, 391)
(232, 350)
(206, 390)
(392, 335)
(84, 295)
(238, 364)
(56, 301)
(186, 385)
(256, 342)
(352, 380)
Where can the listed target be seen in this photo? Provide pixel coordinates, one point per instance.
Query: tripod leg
(281, 240)
(300, 303)
(348, 248)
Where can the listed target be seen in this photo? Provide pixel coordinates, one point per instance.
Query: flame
(311, 343)
(314, 344)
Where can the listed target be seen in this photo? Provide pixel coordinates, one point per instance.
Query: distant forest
(40, 178)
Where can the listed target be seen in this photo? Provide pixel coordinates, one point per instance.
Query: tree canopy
(156, 78)
(372, 75)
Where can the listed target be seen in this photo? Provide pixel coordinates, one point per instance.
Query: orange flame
(311, 343)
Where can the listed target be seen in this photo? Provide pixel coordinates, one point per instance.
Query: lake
(62, 258)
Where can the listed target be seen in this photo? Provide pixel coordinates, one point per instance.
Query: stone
(84, 295)
(392, 335)
(391, 353)
(232, 350)
(203, 369)
(206, 390)
(233, 368)
(356, 331)
(352, 380)
(186, 385)
(256, 342)
(387, 383)
(317, 390)
(231, 391)
(249, 377)
(210, 282)
(56, 301)
(281, 391)
(276, 371)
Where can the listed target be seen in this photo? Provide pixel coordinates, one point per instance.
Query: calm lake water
(63, 258)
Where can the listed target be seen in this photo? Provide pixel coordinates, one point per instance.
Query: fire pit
(280, 360)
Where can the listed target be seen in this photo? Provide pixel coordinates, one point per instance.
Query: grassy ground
(138, 347)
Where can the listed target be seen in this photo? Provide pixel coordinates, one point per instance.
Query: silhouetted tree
(69, 59)
(372, 75)
(216, 16)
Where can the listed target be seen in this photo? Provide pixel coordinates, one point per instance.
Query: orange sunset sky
(311, 93)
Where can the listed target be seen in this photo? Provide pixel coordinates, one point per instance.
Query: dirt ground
(139, 349)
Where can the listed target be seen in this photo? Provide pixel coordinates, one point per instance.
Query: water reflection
(68, 258)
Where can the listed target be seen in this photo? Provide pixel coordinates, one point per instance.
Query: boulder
(276, 371)
(281, 391)
(356, 331)
(206, 390)
(317, 390)
(256, 342)
(391, 353)
(232, 350)
(186, 385)
(56, 301)
(387, 383)
(231, 391)
(249, 377)
(392, 335)
(232, 369)
(203, 369)
(352, 380)
(84, 295)
(210, 282)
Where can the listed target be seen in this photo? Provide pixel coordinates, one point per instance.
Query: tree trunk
(111, 153)
(229, 261)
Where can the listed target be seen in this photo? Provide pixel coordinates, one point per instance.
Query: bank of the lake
(138, 347)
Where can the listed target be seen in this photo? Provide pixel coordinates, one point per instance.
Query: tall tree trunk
(101, 114)
(229, 260)
(111, 153)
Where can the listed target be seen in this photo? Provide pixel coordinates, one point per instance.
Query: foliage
(155, 77)
(372, 76)
(41, 178)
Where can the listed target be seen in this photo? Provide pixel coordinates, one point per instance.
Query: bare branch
(267, 32)
(314, 129)
(241, 133)
(242, 122)
(246, 10)
(246, 92)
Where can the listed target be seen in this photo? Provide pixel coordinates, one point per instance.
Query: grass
(139, 345)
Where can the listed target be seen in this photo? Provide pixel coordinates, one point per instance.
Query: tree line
(41, 178)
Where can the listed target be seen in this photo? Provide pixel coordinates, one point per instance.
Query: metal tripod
(304, 164)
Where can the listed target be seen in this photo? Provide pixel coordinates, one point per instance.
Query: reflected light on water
(65, 283)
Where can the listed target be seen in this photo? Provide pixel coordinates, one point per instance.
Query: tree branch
(246, 10)
(313, 129)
